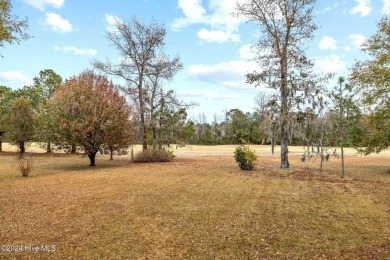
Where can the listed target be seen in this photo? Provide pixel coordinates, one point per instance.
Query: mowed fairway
(196, 207)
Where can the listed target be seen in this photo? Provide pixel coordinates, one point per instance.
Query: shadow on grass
(53, 163)
(83, 165)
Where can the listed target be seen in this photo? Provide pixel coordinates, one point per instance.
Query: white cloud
(193, 12)
(206, 94)
(15, 77)
(363, 7)
(228, 74)
(247, 52)
(331, 7)
(386, 7)
(111, 21)
(218, 36)
(41, 4)
(223, 26)
(357, 39)
(328, 43)
(57, 23)
(347, 49)
(330, 64)
(75, 50)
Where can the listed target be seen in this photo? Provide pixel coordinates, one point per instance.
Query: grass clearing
(200, 207)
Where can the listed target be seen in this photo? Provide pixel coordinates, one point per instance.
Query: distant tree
(216, 131)
(201, 127)
(11, 27)
(345, 114)
(305, 121)
(261, 101)
(33, 93)
(169, 122)
(285, 27)
(45, 84)
(48, 81)
(91, 113)
(6, 96)
(271, 121)
(372, 77)
(240, 126)
(143, 64)
(18, 123)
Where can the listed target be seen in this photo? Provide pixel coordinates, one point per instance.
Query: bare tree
(285, 25)
(162, 69)
(140, 46)
(261, 109)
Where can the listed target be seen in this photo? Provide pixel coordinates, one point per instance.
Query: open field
(202, 150)
(198, 206)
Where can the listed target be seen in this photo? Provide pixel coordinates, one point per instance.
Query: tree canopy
(90, 112)
(372, 77)
(18, 122)
(12, 29)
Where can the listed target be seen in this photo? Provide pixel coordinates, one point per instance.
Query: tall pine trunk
(284, 163)
(342, 161)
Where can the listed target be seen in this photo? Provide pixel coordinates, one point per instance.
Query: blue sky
(214, 46)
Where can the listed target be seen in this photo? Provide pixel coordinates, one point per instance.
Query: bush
(25, 166)
(245, 157)
(153, 155)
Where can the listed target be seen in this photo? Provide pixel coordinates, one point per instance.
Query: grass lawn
(196, 207)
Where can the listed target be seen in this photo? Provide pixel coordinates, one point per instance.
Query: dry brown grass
(196, 207)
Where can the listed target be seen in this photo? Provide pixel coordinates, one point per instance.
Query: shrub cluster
(153, 155)
(25, 166)
(245, 157)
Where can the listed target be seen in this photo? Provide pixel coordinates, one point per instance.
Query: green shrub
(153, 155)
(245, 157)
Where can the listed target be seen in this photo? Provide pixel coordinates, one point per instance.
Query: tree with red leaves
(91, 113)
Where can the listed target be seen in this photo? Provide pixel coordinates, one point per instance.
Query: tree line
(79, 113)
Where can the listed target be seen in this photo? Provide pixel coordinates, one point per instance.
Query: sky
(214, 47)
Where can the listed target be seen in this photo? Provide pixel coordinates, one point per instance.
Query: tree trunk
(111, 153)
(22, 148)
(92, 159)
(319, 145)
(73, 149)
(308, 149)
(1, 146)
(48, 148)
(321, 153)
(155, 138)
(142, 111)
(284, 163)
(342, 161)
(273, 145)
